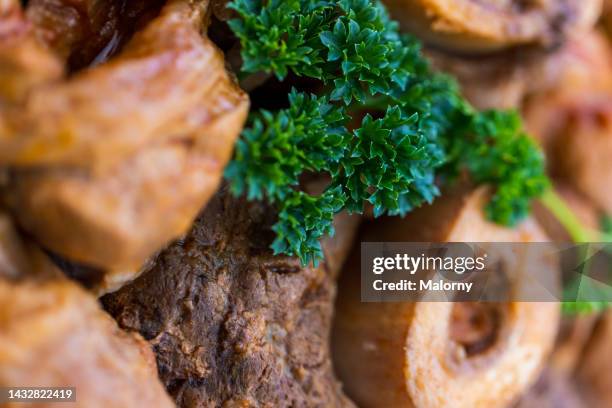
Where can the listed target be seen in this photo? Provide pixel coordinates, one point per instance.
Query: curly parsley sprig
(424, 130)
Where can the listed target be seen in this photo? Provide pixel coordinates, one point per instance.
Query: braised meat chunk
(54, 333)
(100, 115)
(120, 217)
(84, 32)
(231, 324)
(110, 164)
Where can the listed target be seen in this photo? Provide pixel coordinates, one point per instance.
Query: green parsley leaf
(423, 130)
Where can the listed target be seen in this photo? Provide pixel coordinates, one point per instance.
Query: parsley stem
(557, 206)
(579, 234)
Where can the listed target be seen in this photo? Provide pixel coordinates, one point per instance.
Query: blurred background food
(467, 26)
(130, 271)
(441, 354)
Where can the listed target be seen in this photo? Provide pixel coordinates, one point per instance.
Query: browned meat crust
(54, 334)
(24, 62)
(82, 32)
(119, 218)
(111, 164)
(101, 115)
(231, 324)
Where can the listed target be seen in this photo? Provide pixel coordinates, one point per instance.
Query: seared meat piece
(441, 354)
(54, 334)
(231, 324)
(476, 26)
(12, 258)
(66, 25)
(103, 114)
(24, 62)
(85, 31)
(138, 146)
(119, 218)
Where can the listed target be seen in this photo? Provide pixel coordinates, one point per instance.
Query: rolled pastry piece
(596, 365)
(440, 354)
(496, 82)
(586, 62)
(117, 219)
(504, 80)
(54, 334)
(482, 26)
(99, 116)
